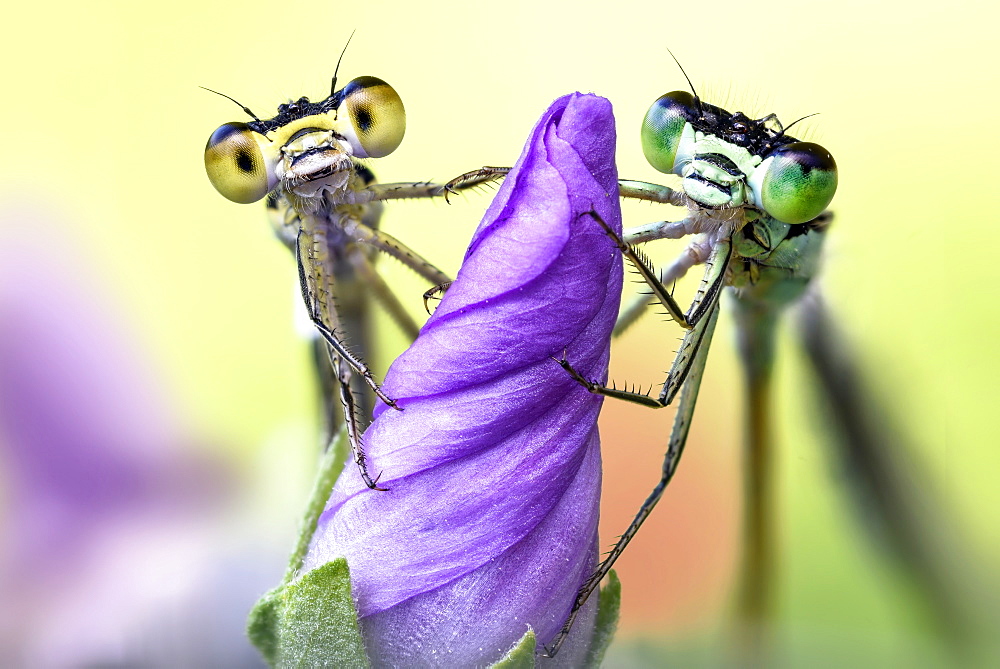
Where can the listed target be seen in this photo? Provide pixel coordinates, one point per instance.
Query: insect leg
(481, 177)
(675, 448)
(643, 190)
(433, 292)
(326, 378)
(351, 417)
(426, 189)
(381, 291)
(669, 229)
(314, 281)
(705, 302)
(697, 253)
(642, 265)
(640, 190)
(395, 248)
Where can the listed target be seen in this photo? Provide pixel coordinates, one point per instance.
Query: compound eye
(796, 182)
(235, 163)
(376, 117)
(663, 128)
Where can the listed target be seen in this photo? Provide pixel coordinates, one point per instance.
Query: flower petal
(493, 467)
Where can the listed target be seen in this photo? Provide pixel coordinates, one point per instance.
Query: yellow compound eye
(376, 117)
(234, 160)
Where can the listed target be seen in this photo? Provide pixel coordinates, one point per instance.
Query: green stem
(330, 466)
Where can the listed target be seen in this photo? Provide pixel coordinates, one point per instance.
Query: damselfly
(324, 205)
(756, 201)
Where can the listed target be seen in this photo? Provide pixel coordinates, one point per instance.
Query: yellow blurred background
(104, 128)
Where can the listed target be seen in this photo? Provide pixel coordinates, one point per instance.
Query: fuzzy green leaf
(310, 622)
(318, 624)
(262, 625)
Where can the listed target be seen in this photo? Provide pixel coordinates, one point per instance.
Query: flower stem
(331, 463)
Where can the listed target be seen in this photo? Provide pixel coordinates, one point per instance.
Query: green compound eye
(376, 115)
(663, 128)
(795, 183)
(235, 164)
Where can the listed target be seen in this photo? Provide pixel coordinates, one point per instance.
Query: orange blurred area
(679, 568)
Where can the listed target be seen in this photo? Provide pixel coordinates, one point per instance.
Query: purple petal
(493, 466)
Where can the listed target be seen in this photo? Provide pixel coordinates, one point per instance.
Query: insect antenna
(785, 129)
(333, 84)
(241, 105)
(697, 99)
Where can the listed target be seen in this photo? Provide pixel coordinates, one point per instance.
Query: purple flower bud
(489, 525)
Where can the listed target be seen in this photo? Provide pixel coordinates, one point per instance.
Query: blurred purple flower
(110, 548)
(493, 468)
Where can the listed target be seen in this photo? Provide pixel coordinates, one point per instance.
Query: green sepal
(521, 655)
(606, 624)
(262, 625)
(311, 622)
